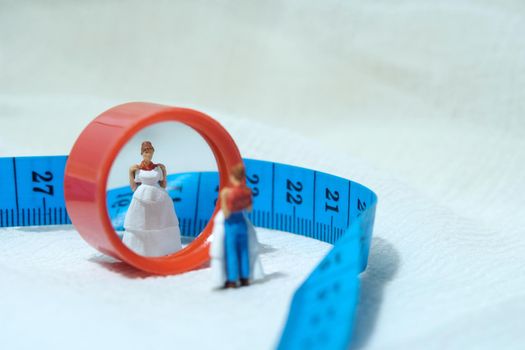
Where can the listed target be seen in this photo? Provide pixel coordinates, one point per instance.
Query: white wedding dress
(151, 225)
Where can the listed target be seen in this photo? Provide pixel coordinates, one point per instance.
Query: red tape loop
(90, 162)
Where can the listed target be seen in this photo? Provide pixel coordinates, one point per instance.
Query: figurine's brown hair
(238, 172)
(145, 146)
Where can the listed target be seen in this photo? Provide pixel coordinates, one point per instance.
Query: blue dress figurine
(235, 249)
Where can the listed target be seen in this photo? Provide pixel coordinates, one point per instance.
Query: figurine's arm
(163, 182)
(250, 207)
(224, 205)
(132, 182)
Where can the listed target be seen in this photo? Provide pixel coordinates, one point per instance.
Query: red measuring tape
(90, 162)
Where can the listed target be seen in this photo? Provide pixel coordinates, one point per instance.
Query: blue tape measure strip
(286, 198)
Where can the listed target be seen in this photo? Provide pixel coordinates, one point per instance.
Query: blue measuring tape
(286, 198)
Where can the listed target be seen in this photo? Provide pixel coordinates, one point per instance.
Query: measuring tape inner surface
(285, 198)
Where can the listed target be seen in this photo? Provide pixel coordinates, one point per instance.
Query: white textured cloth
(423, 101)
(151, 224)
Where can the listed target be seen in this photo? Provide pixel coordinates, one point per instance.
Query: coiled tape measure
(285, 198)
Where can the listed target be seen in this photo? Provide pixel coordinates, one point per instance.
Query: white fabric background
(422, 101)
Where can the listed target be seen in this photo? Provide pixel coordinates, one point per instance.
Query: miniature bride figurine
(152, 227)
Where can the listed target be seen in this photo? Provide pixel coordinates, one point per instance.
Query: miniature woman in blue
(234, 200)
